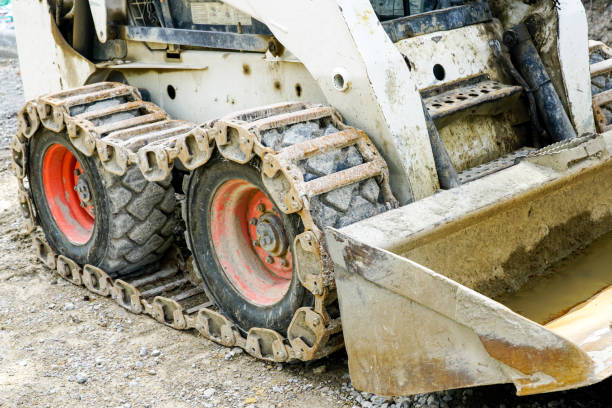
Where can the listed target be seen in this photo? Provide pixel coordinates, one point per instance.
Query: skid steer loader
(399, 177)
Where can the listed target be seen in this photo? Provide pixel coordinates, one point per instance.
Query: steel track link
(139, 133)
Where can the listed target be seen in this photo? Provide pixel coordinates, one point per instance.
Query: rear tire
(246, 312)
(134, 218)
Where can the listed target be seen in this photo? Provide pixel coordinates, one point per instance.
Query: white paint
(99, 14)
(463, 53)
(573, 43)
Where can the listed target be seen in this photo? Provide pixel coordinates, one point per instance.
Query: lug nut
(284, 263)
(253, 221)
(256, 243)
(269, 259)
(261, 207)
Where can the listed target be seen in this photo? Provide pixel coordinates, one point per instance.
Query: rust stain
(565, 365)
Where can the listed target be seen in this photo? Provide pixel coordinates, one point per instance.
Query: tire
(340, 207)
(134, 219)
(601, 84)
(201, 189)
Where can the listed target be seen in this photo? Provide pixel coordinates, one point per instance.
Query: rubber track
(142, 221)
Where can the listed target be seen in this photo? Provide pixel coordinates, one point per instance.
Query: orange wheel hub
(250, 242)
(68, 194)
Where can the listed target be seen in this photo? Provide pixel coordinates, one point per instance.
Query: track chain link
(142, 134)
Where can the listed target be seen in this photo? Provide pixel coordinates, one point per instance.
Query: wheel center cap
(82, 189)
(271, 235)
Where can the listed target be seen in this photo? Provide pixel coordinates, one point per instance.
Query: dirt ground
(61, 346)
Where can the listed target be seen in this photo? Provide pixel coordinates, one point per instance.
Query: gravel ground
(63, 347)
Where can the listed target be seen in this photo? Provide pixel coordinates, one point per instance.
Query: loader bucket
(504, 279)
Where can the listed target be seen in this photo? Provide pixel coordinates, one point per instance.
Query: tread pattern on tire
(340, 207)
(143, 220)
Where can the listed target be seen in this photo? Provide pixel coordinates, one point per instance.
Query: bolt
(269, 259)
(284, 263)
(256, 243)
(261, 207)
(316, 321)
(77, 172)
(253, 221)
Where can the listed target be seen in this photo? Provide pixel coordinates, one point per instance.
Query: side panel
(220, 82)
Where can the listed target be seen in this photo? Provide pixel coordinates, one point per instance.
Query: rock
(81, 378)
(208, 393)
(69, 307)
(378, 400)
(233, 352)
(319, 370)
(143, 352)
(156, 353)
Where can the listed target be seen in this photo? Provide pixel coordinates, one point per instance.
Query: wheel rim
(68, 194)
(250, 242)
